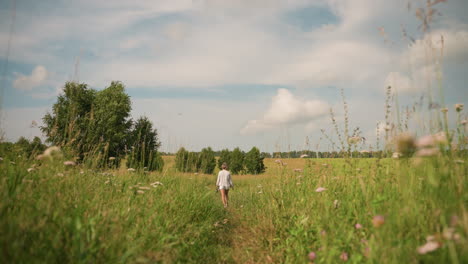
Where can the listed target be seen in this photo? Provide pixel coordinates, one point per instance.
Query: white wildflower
(320, 189)
(428, 247)
(69, 163)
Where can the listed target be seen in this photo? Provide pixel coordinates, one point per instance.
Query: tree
(97, 125)
(110, 121)
(254, 161)
(207, 161)
(181, 159)
(68, 123)
(237, 161)
(144, 146)
(193, 163)
(224, 156)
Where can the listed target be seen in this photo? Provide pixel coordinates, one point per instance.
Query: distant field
(57, 214)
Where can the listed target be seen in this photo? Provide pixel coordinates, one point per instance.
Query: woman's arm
(217, 181)
(230, 180)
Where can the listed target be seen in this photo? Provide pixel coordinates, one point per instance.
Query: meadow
(300, 211)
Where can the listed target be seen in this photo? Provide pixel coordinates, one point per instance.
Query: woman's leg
(226, 197)
(223, 196)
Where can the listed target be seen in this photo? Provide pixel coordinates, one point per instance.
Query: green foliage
(237, 161)
(224, 156)
(254, 161)
(96, 125)
(69, 122)
(144, 146)
(110, 123)
(28, 149)
(181, 159)
(207, 161)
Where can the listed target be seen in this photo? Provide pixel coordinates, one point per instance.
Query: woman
(223, 183)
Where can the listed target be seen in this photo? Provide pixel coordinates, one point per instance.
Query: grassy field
(372, 211)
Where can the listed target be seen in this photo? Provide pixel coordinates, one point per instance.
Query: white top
(224, 179)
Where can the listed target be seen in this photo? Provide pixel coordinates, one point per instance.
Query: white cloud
(28, 82)
(287, 109)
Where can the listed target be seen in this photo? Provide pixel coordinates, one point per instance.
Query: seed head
(459, 107)
(378, 220)
(312, 256)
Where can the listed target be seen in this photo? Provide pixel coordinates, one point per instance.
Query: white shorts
(224, 187)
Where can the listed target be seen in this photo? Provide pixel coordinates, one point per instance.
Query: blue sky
(232, 73)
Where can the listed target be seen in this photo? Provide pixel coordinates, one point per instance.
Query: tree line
(205, 161)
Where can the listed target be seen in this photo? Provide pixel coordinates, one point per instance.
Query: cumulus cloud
(287, 109)
(28, 82)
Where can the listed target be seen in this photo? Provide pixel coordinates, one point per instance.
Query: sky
(234, 73)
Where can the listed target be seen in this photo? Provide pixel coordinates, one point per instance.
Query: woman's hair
(224, 166)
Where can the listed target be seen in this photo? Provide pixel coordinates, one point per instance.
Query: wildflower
(448, 233)
(396, 155)
(225, 221)
(358, 226)
(30, 169)
(260, 192)
(323, 233)
(297, 170)
(304, 156)
(144, 188)
(426, 141)
(81, 172)
(378, 220)
(459, 107)
(312, 256)
(453, 220)
(405, 143)
(427, 152)
(428, 247)
(156, 183)
(364, 151)
(1, 159)
(464, 122)
(60, 174)
(336, 203)
(131, 169)
(320, 189)
(440, 138)
(444, 110)
(51, 152)
(69, 163)
(344, 256)
(216, 224)
(298, 183)
(430, 238)
(367, 252)
(325, 165)
(111, 158)
(140, 192)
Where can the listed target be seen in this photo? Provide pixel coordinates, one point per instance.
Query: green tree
(224, 156)
(207, 161)
(69, 122)
(181, 159)
(110, 122)
(193, 163)
(237, 161)
(144, 146)
(254, 161)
